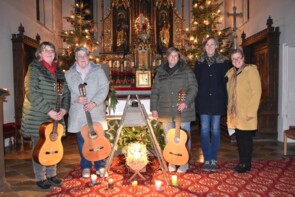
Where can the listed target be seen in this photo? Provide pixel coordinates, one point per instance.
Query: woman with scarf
(211, 101)
(244, 92)
(40, 105)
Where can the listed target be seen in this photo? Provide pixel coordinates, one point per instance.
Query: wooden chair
(289, 133)
(11, 130)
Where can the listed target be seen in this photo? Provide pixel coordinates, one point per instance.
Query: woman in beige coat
(244, 92)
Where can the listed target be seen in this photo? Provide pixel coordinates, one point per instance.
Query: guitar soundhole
(53, 136)
(92, 134)
(177, 139)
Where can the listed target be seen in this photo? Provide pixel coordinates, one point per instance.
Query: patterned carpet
(267, 178)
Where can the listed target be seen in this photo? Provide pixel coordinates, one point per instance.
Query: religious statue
(164, 27)
(122, 29)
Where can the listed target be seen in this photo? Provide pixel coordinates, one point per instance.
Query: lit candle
(174, 180)
(134, 183)
(158, 185)
(93, 179)
(111, 184)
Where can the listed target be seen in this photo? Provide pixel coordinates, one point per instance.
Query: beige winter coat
(248, 98)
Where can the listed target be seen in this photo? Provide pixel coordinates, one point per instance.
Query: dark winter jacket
(41, 97)
(212, 95)
(164, 95)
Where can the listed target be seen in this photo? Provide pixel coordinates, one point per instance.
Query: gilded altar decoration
(122, 29)
(164, 27)
(142, 27)
(121, 3)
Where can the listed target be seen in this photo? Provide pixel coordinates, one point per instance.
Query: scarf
(233, 112)
(83, 71)
(211, 59)
(173, 69)
(51, 68)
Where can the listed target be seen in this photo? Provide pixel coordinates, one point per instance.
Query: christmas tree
(206, 21)
(81, 34)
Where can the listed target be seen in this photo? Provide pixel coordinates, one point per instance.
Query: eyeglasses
(82, 56)
(236, 59)
(48, 51)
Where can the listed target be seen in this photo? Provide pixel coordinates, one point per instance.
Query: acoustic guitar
(49, 149)
(176, 151)
(96, 146)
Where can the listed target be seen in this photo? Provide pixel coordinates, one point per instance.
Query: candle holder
(158, 186)
(93, 179)
(134, 186)
(111, 184)
(174, 180)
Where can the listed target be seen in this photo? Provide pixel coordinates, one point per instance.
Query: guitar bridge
(96, 149)
(51, 152)
(176, 154)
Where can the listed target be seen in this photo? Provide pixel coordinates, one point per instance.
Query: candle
(93, 179)
(174, 180)
(158, 185)
(111, 184)
(134, 183)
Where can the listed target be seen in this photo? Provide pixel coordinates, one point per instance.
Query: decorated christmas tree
(81, 34)
(206, 21)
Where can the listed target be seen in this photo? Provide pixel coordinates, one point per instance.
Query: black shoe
(237, 167)
(54, 180)
(243, 168)
(44, 184)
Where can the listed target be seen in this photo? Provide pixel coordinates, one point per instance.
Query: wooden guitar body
(49, 149)
(96, 146)
(175, 151)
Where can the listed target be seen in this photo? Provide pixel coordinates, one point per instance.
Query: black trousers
(245, 145)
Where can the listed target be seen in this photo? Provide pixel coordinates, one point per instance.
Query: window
(44, 13)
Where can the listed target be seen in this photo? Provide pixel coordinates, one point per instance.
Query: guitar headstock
(82, 89)
(59, 87)
(181, 96)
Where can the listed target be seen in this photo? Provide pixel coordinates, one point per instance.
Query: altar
(123, 93)
(136, 35)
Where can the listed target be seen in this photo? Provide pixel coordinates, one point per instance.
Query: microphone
(85, 83)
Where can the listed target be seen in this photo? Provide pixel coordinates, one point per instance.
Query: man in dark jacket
(172, 76)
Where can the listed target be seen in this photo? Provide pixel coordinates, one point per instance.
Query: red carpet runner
(267, 178)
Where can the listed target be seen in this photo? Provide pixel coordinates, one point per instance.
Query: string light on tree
(82, 33)
(206, 21)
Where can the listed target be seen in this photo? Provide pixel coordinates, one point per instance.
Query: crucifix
(235, 15)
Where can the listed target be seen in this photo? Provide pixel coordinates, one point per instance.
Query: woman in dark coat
(211, 101)
(40, 103)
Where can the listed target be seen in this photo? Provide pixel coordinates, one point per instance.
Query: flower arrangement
(136, 156)
(141, 134)
(129, 74)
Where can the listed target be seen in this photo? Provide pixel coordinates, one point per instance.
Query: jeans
(184, 126)
(210, 135)
(42, 172)
(84, 162)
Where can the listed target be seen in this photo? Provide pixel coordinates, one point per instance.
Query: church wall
(12, 13)
(282, 13)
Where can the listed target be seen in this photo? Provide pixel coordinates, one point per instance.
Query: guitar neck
(89, 121)
(177, 124)
(57, 108)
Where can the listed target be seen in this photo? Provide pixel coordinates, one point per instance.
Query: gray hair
(42, 46)
(234, 51)
(82, 48)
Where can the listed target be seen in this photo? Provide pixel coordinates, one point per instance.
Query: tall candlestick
(174, 180)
